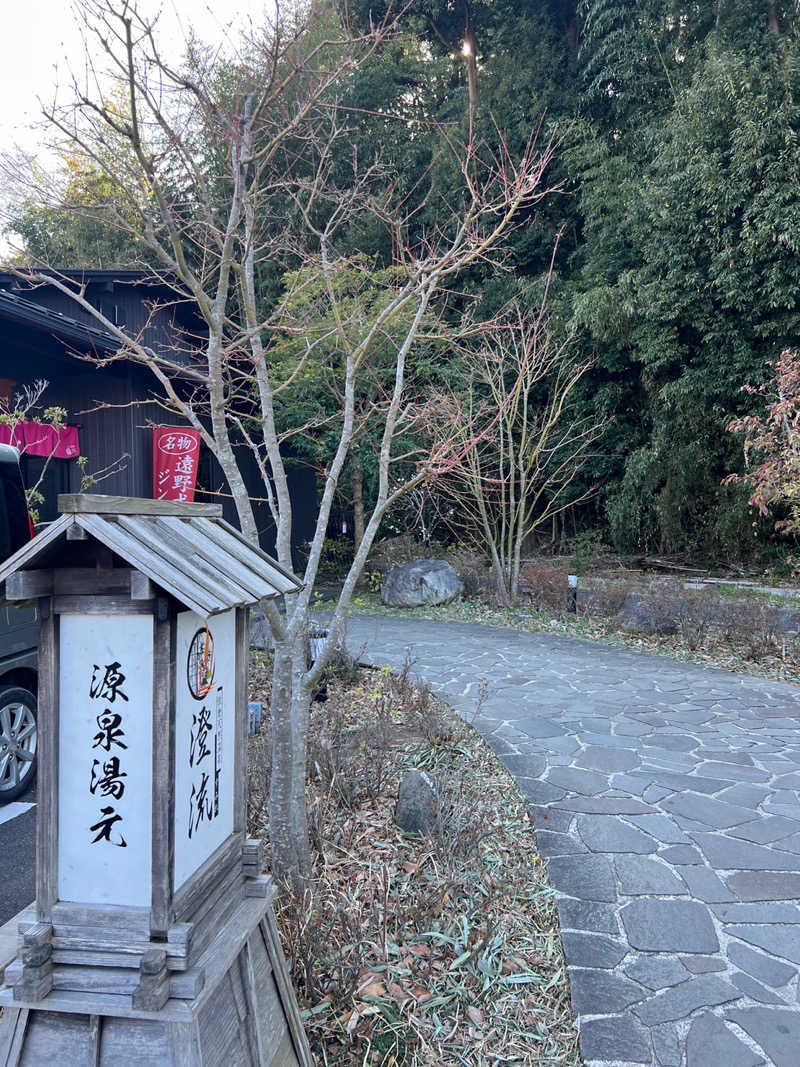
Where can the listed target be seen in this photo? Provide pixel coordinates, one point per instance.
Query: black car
(19, 638)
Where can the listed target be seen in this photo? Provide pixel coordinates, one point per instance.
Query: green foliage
(337, 555)
(677, 268)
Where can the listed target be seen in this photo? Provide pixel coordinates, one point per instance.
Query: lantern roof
(188, 550)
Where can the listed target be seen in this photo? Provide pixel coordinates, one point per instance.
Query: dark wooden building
(44, 335)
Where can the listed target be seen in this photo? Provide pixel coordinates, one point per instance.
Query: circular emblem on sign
(177, 444)
(200, 664)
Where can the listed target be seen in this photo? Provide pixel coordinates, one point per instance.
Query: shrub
(546, 587)
(607, 598)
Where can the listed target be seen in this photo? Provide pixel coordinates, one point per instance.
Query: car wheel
(18, 741)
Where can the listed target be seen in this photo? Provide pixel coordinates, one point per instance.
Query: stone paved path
(666, 797)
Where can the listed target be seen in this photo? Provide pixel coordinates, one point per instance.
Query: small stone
(661, 827)
(605, 805)
(667, 1045)
(738, 773)
(711, 1042)
(776, 1031)
(769, 914)
(694, 783)
(755, 990)
(550, 819)
(669, 742)
(424, 581)
(418, 804)
(656, 972)
(791, 844)
(588, 783)
(703, 964)
(763, 968)
(640, 875)
(654, 793)
(620, 1038)
(767, 829)
(681, 854)
(592, 950)
(553, 844)
(669, 926)
(587, 877)
(706, 810)
(681, 1000)
(587, 915)
(765, 885)
(748, 795)
(604, 833)
(704, 885)
(539, 793)
(600, 992)
(525, 765)
(727, 854)
(780, 941)
(607, 759)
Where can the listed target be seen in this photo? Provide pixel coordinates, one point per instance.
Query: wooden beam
(141, 587)
(101, 605)
(67, 581)
(27, 585)
(96, 504)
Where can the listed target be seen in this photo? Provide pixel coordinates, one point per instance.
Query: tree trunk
(358, 501)
(774, 26)
(289, 710)
(471, 63)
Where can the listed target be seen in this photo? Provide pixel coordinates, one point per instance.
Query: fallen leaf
(476, 1015)
(420, 950)
(397, 993)
(422, 996)
(372, 989)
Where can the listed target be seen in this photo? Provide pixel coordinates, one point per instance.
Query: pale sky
(39, 38)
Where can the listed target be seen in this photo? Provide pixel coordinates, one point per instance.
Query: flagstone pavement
(666, 797)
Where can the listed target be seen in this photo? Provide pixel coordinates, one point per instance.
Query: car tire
(18, 741)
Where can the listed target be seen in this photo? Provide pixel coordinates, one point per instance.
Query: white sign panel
(205, 707)
(105, 759)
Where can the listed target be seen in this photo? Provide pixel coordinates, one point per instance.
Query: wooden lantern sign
(153, 939)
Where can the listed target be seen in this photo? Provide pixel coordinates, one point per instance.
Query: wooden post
(47, 799)
(163, 819)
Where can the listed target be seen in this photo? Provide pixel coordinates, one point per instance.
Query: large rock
(646, 615)
(425, 581)
(418, 804)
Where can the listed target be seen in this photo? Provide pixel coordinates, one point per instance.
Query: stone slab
(776, 1030)
(772, 972)
(710, 1043)
(703, 991)
(620, 1038)
(669, 926)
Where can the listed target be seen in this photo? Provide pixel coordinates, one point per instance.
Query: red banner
(38, 439)
(175, 455)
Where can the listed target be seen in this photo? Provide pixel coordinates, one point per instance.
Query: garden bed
(406, 951)
(748, 638)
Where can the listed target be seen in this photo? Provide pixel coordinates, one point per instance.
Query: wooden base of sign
(243, 1014)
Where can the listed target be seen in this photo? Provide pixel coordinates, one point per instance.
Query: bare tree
(517, 447)
(214, 177)
(26, 406)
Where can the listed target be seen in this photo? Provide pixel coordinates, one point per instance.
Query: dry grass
(410, 952)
